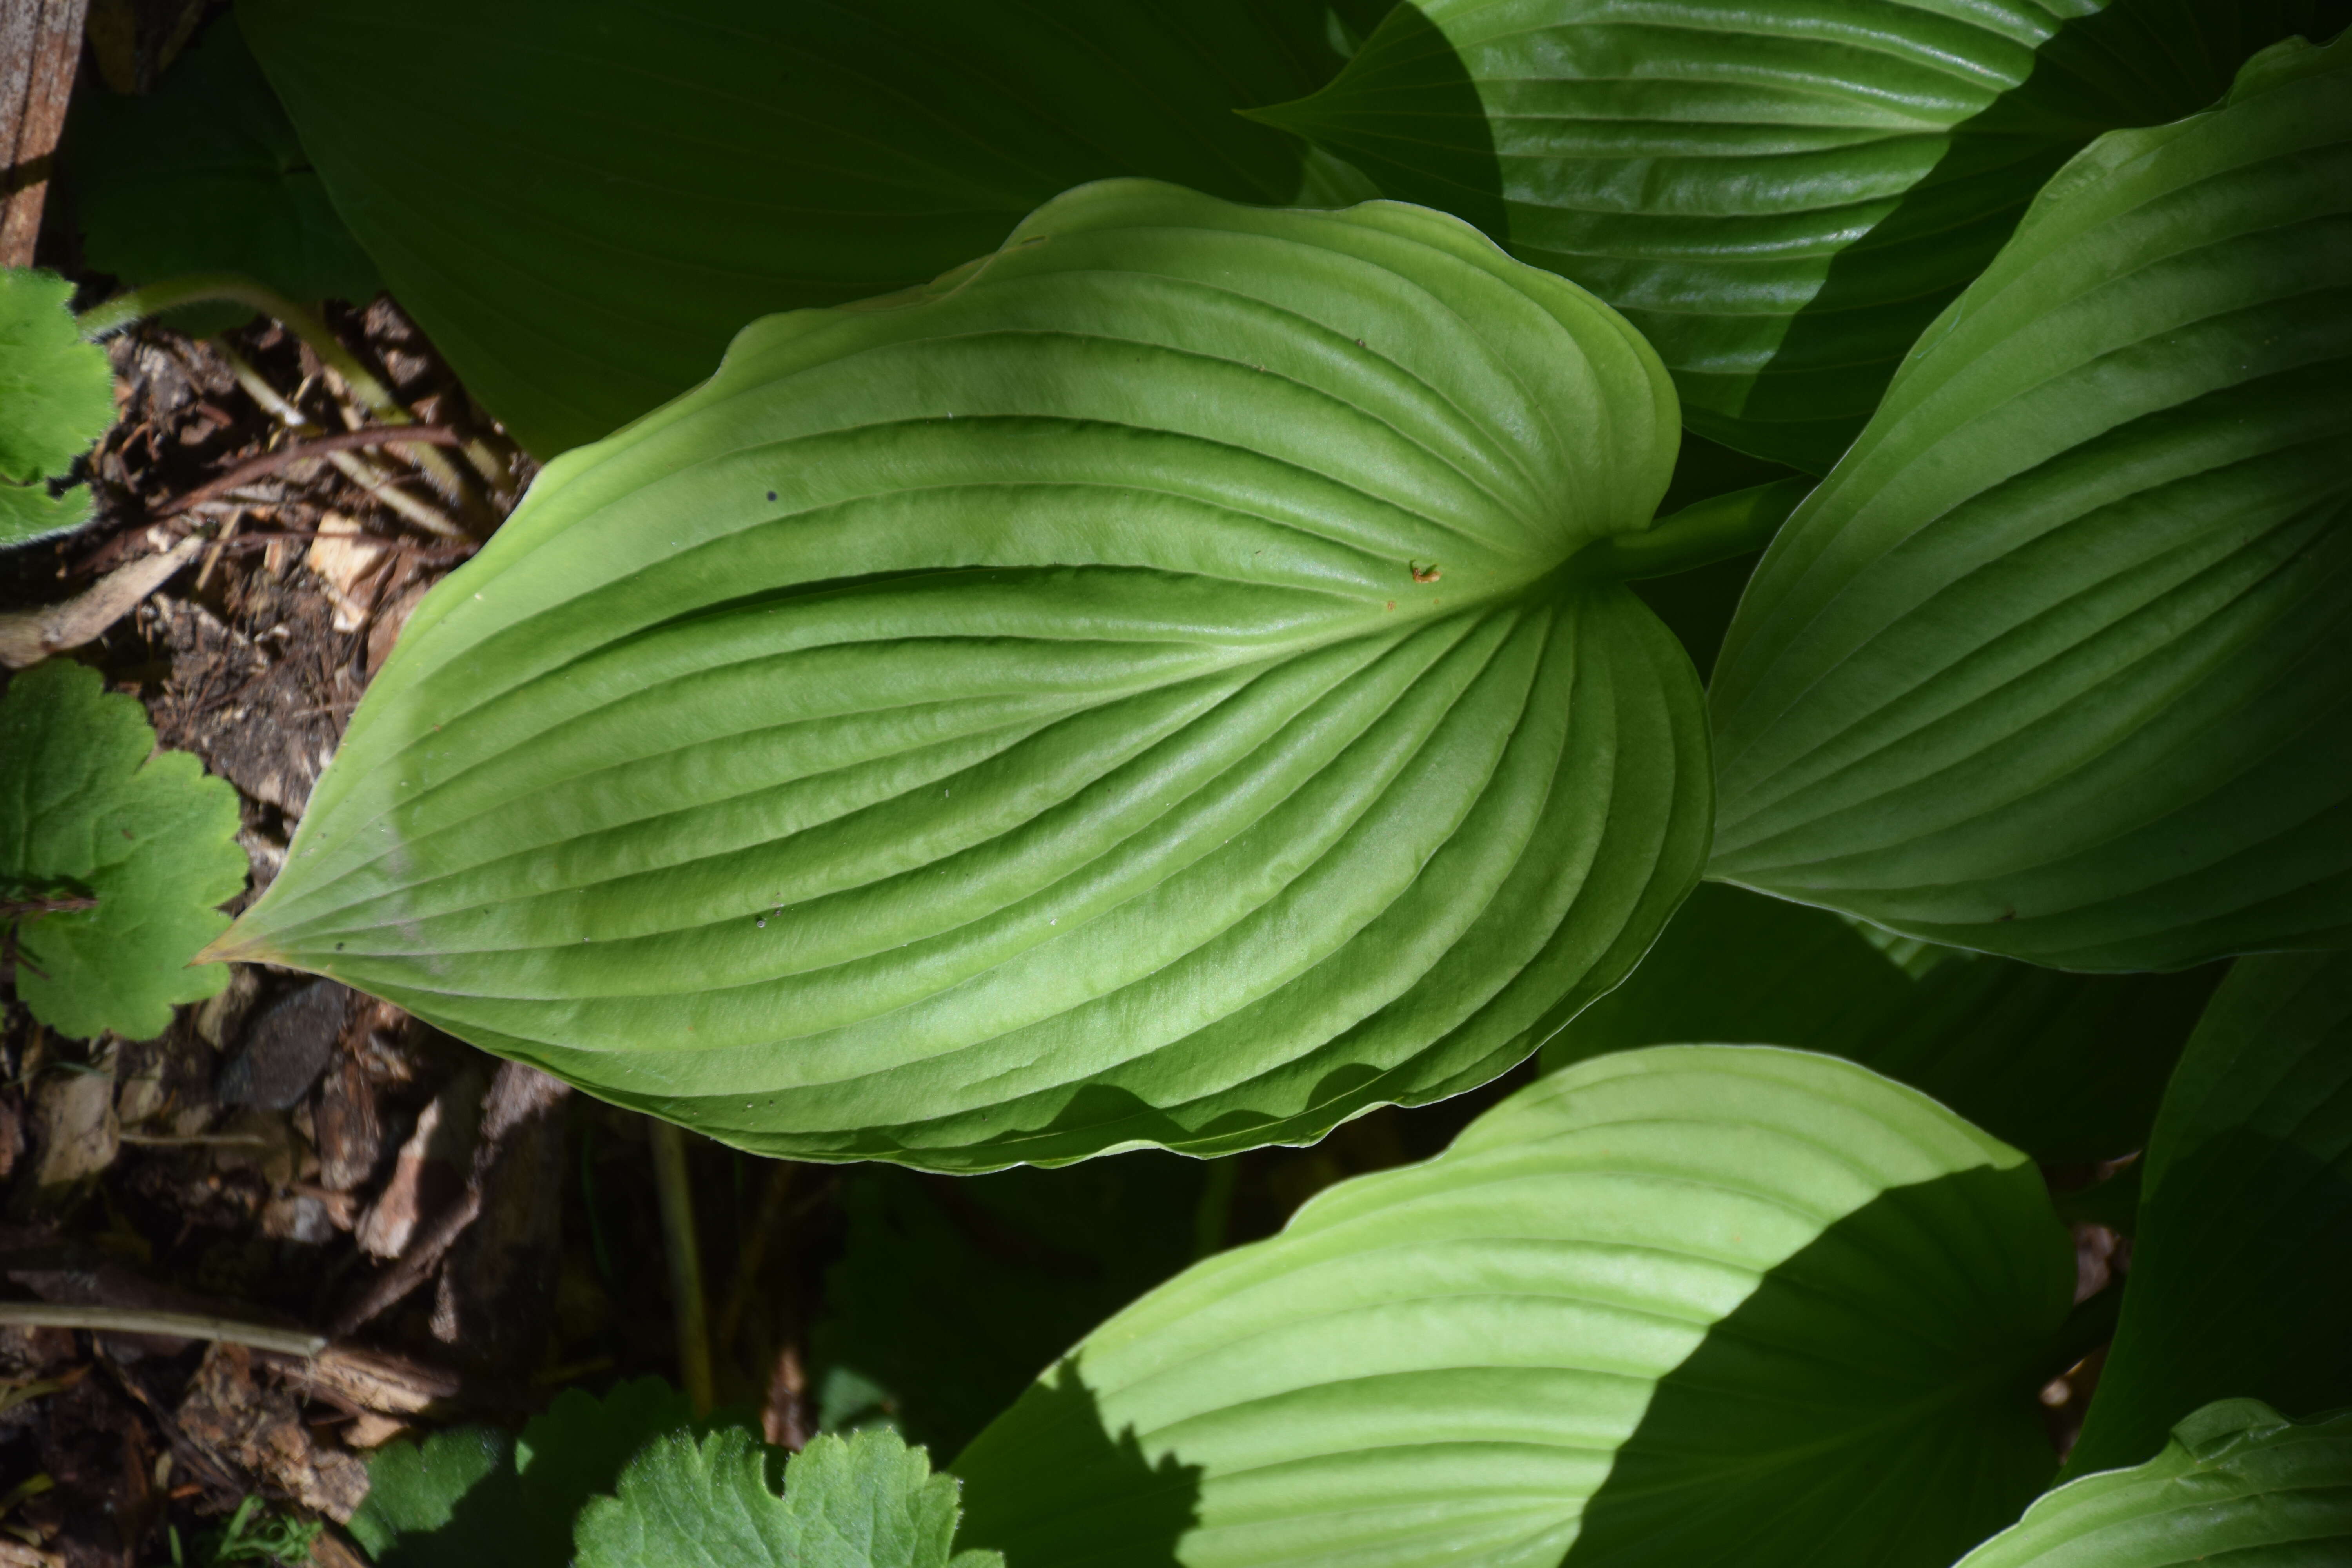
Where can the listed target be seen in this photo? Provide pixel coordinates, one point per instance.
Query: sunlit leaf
(2067, 1067)
(583, 199)
(2241, 1276)
(864, 1501)
(2058, 663)
(1134, 692)
(2239, 1484)
(1780, 196)
(114, 857)
(57, 396)
(1679, 1306)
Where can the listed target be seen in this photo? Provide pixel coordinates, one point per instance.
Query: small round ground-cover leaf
(1778, 197)
(1133, 692)
(1676, 1305)
(2239, 1484)
(57, 396)
(2067, 1067)
(2241, 1272)
(2058, 662)
(114, 857)
(206, 174)
(585, 199)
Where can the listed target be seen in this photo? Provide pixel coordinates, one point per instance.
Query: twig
(170, 1325)
(422, 1255)
(318, 447)
(677, 1197)
(353, 467)
(28, 637)
(203, 287)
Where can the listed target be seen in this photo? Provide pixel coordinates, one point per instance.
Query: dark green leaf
(2242, 1276)
(864, 1501)
(951, 1296)
(2239, 1484)
(447, 1502)
(2058, 663)
(2067, 1067)
(583, 200)
(1684, 1306)
(1780, 198)
(87, 814)
(1132, 692)
(206, 175)
(473, 1497)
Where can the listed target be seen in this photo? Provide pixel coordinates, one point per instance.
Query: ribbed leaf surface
(1131, 692)
(2058, 662)
(2067, 1067)
(1687, 1306)
(1780, 196)
(2241, 1280)
(2239, 1484)
(585, 199)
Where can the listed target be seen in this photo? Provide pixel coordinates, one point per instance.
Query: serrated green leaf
(2058, 663)
(87, 813)
(864, 1501)
(29, 512)
(2241, 1272)
(1679, 1306)
(1133, 692)
(57, 396)
(447, 1502)
(2067, 1067)
(2239, 1484)
(1779, 198)
(206, 174)
(586, 200)
(474, 1498)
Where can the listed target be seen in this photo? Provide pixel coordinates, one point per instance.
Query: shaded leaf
(2058, 663)
(447, 1502)
(2241, 1272)
(586, 200)
(864, 1501)
(950, 1298)
(57, 396)
(1684, 1305)
(2239, 1484)
(474, 1498)
(206, 174)
(1779, 198)
(87, 813)
(2067, 1067)
(1133, 692)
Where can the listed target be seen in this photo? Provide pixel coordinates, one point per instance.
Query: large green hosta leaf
(2067, 1067)
(2241, 1282)
(1133, 692)
(1676, 1307)
(1780, 196)
(583, 200)
(2238, 1485)
(2058, 663)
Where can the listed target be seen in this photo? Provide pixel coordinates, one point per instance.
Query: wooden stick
(40, 44)
(171, 1325)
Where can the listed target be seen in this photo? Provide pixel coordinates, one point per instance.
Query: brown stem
(285, 456)
(16, 909)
